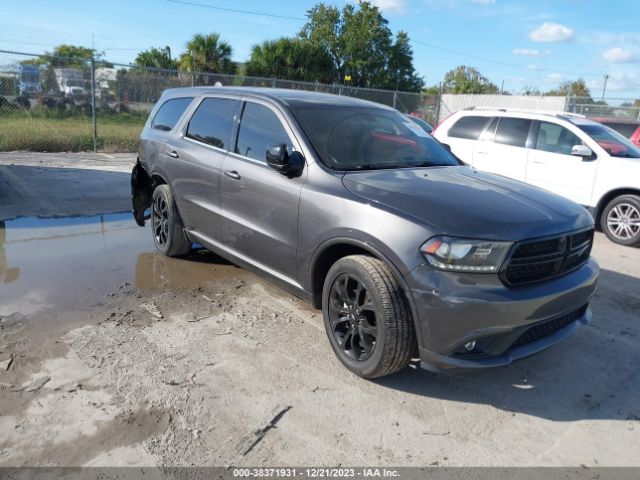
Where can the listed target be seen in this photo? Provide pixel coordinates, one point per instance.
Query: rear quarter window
(469, 127)
(169, 113)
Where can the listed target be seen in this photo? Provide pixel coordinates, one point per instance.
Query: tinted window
(555, 138)
(213, 122)
(489, 133)
(469, 127)
(513, 131)
(369, 138)
(169, 113)
(259, 128)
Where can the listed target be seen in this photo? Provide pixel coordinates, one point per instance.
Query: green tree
(290, 58)
(531, 90)
(159, 58)
(464, 79)
(576, 88)
(360, 45)
(207, 54)
(401, 74)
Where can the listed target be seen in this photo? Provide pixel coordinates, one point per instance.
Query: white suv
(567, 154)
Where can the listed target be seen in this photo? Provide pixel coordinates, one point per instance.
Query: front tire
(367, 317)
(166, 224)
(620, 220)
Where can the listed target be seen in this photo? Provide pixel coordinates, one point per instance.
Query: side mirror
(279, 158)
(581, 151)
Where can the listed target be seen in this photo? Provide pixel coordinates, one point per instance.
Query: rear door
(506, 155)
(463, 135)
(552, 167)
(198, 155)
(260, 205)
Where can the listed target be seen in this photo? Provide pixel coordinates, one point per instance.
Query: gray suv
(350, 205)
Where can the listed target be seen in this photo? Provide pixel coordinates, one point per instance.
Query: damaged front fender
(141, 193)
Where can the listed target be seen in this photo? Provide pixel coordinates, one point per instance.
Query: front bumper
(452, 309)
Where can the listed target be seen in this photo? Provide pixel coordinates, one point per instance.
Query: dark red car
(628, 128)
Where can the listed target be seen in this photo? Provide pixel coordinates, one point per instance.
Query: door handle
(538, 161)
(482, 152)
(173, 154)
(232, 174)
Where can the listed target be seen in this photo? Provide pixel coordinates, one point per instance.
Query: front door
(552, 167)
(260, 205)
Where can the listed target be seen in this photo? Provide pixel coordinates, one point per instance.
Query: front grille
(551, 326)
(544, 259)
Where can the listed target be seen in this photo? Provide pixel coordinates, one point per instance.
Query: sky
(538, 43)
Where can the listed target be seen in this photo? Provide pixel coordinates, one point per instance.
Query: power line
(246, 12)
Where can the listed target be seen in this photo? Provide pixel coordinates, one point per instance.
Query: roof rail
(524, 110)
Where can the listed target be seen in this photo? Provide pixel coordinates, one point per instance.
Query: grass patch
(41, 133)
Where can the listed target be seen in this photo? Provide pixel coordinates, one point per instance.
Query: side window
(490, 132)
(259, 128)
(513, 131)
(169, 113)
(556, 139)
(469, 127)
(213, 122)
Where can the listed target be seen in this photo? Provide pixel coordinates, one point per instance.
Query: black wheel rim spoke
(160, 221)
(352, 317)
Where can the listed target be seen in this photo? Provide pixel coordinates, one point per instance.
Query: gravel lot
(113, 355)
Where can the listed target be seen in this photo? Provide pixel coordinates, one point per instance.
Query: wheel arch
(607, 197)
(332, 250)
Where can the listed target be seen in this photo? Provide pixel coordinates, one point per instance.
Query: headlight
(464, 255)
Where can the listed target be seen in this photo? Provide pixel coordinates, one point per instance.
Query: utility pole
(94, 122)
(604, 88)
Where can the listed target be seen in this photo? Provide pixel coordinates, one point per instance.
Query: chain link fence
(51, 103)
(624, 109)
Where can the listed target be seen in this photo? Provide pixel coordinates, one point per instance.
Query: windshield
(29, 77)
(614, 144)
(366, 138)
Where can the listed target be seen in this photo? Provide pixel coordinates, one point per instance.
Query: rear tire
(367, 317)
(166, 224)
(620, 220)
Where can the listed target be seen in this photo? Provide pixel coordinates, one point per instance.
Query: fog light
(470, 345)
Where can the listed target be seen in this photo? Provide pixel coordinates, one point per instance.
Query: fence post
(94, 122)
(439, 100)
(273, 82)
(395, 99)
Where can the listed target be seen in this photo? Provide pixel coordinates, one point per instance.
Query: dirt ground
(112, 355)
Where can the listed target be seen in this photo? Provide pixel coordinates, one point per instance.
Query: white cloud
(530, 52)
(483, 2)
(551, 32)
(623, 82)
(391, 6)
(619, 55)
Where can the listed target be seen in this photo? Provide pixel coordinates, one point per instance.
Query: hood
(461, 201)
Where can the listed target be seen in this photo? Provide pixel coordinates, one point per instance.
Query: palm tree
(207, 54)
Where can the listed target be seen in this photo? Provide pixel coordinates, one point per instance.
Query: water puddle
(74, 262)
